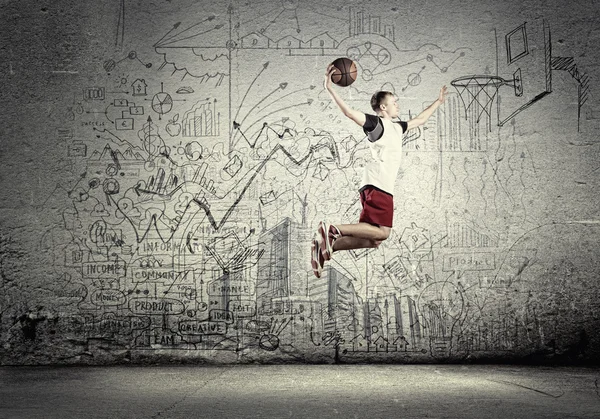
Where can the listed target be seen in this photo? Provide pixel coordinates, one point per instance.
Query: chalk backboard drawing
(523, 59)
(523, 75)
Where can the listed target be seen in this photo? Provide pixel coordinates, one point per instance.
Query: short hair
(379, 97)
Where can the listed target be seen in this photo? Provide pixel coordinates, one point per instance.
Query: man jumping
(384, 132)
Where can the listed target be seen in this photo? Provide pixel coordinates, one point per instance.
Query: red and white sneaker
(316, 257)
(328, 234)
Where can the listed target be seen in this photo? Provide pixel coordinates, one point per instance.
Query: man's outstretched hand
(443, 93)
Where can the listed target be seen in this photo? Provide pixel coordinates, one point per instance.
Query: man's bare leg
(360, 236)
(364, 231)
(349, 243)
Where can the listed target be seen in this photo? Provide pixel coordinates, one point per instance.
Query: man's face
(390, 105)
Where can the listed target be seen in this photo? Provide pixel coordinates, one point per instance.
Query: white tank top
(385, 142)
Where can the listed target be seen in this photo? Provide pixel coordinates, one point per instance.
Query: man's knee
(384, 234)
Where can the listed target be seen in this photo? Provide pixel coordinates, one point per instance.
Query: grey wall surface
(165, 165)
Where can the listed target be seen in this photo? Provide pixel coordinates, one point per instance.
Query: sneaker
(316, 258)
(328, 234)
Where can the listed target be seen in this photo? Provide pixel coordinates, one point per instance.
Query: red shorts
(378, 207)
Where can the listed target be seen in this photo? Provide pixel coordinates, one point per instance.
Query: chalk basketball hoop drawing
(523, 75)
(477, 94)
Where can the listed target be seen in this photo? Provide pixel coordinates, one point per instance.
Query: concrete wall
(165, 165)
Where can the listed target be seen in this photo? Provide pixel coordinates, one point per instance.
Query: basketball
(345, 72)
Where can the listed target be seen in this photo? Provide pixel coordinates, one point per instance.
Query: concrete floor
(300, 391)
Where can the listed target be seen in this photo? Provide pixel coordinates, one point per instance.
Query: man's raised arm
(428, 111)
(354, 115)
